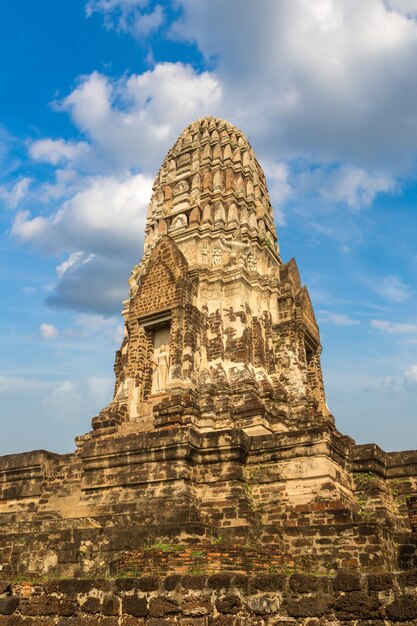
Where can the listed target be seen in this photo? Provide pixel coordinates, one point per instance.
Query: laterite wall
(347, 599)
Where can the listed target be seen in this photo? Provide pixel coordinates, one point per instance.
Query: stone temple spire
(211, 187)
(218, 331)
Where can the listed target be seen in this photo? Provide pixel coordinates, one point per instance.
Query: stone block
(171, 582)
(161, 621)
(270, 582)
(92, 606)
(223, 620)
(380, 582)
(220, 581)
(304, 583)
(241, 582)
(357, 605)
(74, 621)
(229, 604)
(128, 620)
(347, 580)
(408, 579)
(132, 605)
(148, 583)
(308, 606)
(193, 621)
(42, 605)
(18, 620)
(402, 608)
(125, 584)
(109, 621)
(8, 605)
(159, 607)
(67, 607)
(194, 582)
(74, 585)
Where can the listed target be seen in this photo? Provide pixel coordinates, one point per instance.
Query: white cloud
(347, 184)
(128, 16)
(13, 196)
(410, 375)
(49, 331)
(101, 227)
(394, 327)
(73, 259)
(392, 288)
(279, 186)
(332, 81)
(386, 385)
(406, 382)
(56, 151)
(12, 385)
(61, 394)
(110, 328)
(94, 284)
(337, 319)
(107, 216)
(407, 7)
(131, 122)
(147, 23)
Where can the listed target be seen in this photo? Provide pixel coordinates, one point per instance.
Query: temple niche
(160, 361)
(218, 433)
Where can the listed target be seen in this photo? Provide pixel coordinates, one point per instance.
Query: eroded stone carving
(180, 221)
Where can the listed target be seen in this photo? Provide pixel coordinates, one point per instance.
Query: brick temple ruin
(218, 452)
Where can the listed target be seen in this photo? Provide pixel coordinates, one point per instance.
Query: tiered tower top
(210, 181)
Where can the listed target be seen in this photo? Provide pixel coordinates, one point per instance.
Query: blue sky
(93, 95)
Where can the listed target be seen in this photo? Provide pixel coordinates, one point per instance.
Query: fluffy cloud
(96, 284)
(131, 122)
(280, 189)
(386, 385)
(337, 319)
(329, 80)
(48, 331)
(407, 7)
(406, 382)
(107, 217)
(346, 184)
(128, 16)
(101, 227)
(392, 288)
(394, 327)
(100, 326)
(410, 375)
(14, 195)
(55, 151)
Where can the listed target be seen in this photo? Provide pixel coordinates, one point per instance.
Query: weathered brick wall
(222, 599)
(73, 515)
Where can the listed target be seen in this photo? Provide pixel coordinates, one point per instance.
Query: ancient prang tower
(218, 451)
